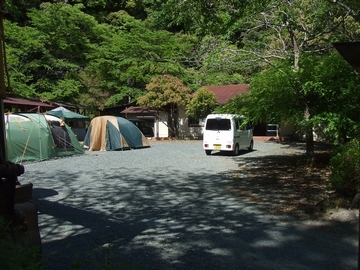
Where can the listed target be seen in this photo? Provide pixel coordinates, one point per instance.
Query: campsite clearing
(172, 207)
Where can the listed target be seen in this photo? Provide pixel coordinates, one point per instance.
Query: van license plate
(217, 146)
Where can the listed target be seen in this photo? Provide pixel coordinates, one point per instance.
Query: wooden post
(3, 152)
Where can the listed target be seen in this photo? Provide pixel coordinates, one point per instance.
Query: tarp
(108, 133)
(32, 137)
(67, 115)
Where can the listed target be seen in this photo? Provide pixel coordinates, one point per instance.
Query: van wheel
(208, 152)
(251, 147)
(236, 150)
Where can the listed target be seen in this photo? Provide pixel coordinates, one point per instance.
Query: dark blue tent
(108, 133)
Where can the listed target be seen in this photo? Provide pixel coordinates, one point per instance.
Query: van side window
(237, 125)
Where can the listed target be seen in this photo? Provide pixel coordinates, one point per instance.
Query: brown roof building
(138, 110)
(224, 93)
(12, 104)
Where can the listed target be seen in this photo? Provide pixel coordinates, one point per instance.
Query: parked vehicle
(226, 132)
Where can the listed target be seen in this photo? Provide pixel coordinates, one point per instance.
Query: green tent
(32, 137)
(107, 133)
(67, 115)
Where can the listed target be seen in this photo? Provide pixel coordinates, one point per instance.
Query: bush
(345, 169)
(13, 256)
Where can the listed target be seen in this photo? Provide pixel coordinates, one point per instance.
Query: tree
(323, 92)
(23, 44)
(283, 38)
(166, 93)
(46, 57)
(131, 54)
(202, 103)
(201, 17)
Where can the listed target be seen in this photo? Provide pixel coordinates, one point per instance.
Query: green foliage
(131, 55)
(165, 91)
(14, 256)
(331, 85)
(47, 56)
(335, 127)
(216, 62)
(119, 46)
(345, 169)
(24, 46)
(201, 16)
(234, 106)
(272, 97)
(202, 103)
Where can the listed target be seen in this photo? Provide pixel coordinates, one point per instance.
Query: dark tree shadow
(171, 219)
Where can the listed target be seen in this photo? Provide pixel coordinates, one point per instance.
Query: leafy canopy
(165, 91)
(202, 104)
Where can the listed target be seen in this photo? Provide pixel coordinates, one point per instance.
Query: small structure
(12, 104)
(188, 128)
(193, 128)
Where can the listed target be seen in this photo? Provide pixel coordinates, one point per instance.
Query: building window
(194, 122)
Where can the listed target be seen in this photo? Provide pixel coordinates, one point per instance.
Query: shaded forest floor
(284, 184)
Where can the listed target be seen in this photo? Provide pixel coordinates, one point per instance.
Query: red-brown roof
(137, 109)
(224, 93)
(21, 101)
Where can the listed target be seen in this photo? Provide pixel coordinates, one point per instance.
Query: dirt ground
(286, 185)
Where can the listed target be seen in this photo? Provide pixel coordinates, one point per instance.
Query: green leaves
(165, 91)
(202, 103)
(131, 54)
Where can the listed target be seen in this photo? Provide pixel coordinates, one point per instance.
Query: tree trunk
(174, 122)
(310, 153)
(174, 128)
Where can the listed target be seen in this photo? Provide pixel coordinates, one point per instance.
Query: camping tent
(74, 120)
(32, 137)
(67, 115)
(107, 133)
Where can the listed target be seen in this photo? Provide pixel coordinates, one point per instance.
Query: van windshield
(218, 124)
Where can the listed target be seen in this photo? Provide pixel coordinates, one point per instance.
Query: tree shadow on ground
(115, 217)
(160, 223)
(284, 184)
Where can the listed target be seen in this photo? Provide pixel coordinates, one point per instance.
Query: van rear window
(218, 124)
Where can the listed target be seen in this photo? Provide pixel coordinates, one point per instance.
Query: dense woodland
(102, 53)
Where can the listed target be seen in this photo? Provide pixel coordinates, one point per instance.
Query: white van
(225, 132)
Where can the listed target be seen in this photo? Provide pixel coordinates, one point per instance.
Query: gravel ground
(169, 207)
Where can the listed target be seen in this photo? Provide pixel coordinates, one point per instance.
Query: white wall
(186, 131)
(161, 129)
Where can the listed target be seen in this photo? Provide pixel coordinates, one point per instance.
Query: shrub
(345, 169)
(13, 256)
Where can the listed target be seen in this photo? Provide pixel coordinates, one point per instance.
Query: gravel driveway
(168, 207)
